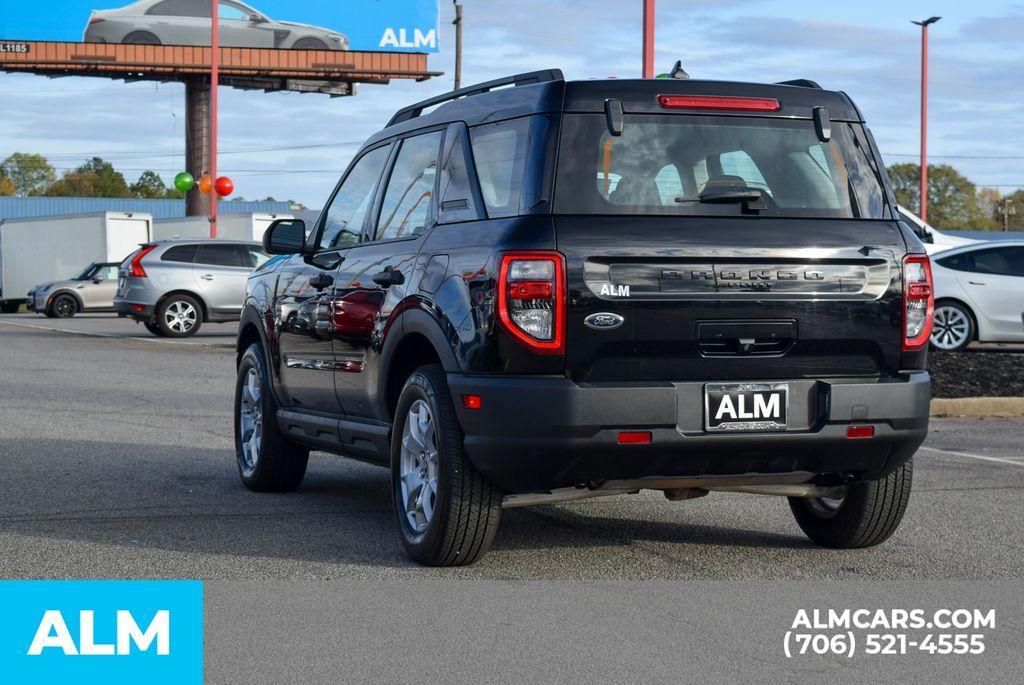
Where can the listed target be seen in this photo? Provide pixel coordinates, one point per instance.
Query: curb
(979, 407)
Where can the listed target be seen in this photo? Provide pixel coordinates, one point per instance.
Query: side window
(220, 255)
(180, 253)
(406, 206)
(343, 223)
(182, 8)
(107, 273)
(959, 262)
(231, 12)
(499, 151)
(455, 186)
(997, 261)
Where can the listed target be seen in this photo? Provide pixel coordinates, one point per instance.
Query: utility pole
(1007, 209)
(458, 44)
(924, 113)
(648, 51)
(214, 82)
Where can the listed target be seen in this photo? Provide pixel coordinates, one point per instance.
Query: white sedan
(979, 294)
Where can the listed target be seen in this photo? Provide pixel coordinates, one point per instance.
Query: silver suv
(174, 286)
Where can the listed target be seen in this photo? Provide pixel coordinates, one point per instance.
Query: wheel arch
(419, 341)
(65, 291)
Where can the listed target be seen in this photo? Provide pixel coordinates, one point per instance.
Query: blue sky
(868, 48)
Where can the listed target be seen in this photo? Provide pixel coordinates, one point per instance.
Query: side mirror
(285, 236)
(97, 279)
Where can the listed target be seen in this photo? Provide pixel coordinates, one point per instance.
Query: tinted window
(222, 255)
(231, 12)
(343, 223)
(499, 151)
(406, 204)
(454, 187)
(1004, 261)
(254, 257)
(661, 164)
(180, 253)
(182, 8)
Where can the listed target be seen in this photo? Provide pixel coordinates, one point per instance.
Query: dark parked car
(560, 290)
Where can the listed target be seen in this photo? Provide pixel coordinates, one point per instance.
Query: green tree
(952, 198)
(149, 186)
(28, 174)
(95, 178)
(1015, 221)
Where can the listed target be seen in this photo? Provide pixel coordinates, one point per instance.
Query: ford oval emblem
(603, 321)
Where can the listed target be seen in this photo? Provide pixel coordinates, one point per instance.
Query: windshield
(717, 166)
(86, 273)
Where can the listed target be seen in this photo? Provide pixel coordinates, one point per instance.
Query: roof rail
(801, 82)
(413, 111)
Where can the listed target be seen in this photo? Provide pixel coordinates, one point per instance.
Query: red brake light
(96, 20)
(634, 438)
(860, 432)
(136, 270)
(472, 401)
(531, 300)
(736, 103)
(918, 302)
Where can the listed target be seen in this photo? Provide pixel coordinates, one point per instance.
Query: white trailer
(229, 226)
(43, 249)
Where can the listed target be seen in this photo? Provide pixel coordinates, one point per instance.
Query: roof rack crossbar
(528, 78)
(801, 82)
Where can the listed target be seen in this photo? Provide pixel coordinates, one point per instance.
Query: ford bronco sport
(544, 290)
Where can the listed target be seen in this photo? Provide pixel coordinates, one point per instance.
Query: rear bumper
(137, 311)
(539, 433)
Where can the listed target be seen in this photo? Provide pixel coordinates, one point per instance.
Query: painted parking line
(91, 334)
(980, 457)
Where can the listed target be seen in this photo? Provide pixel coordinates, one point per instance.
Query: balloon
(184, 182)
(224, 186)
(205, 184)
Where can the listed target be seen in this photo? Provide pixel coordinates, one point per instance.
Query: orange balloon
(205, 184)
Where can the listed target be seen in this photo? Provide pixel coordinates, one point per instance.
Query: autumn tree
(95, 178)
(27, 174)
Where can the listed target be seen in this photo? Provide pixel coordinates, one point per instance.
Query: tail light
(531, 300)
(96, 20)
(136, 270)
(918, 302)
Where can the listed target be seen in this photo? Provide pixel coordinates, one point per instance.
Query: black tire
(10, 307)
(154, 329)
(467, 508)
(943, 321)
(310, 44)
(141, 38)
(181, 302)
(867, 516)
(281, 463)
(63, 307)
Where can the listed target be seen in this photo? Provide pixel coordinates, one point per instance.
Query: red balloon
(205, 184)
(224, 186)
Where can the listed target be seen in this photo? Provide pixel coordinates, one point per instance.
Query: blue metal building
(30, 207)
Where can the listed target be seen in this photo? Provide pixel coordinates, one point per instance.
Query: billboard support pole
(648, 51)
(197, 139)
(924, 114)
(214, 82)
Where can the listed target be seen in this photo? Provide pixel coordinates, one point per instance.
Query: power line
(916, 154)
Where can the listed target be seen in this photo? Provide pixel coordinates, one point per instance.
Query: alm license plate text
(746, 406)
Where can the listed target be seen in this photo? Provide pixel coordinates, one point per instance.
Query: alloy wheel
(181, 316)
(951, 328)
(418, 467)
(250, 424)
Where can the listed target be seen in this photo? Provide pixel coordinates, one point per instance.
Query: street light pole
(214, 82)
(458, 44)
(924, 113)
(648, 51)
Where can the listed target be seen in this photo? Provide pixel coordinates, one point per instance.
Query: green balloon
(184, 182)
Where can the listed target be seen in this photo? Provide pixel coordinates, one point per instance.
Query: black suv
(545, 290)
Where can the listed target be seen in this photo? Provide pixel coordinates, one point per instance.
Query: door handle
(207, 277)
(975, 283)
(321, 281)
(389, 277)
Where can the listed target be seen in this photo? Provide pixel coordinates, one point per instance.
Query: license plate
(746, 407)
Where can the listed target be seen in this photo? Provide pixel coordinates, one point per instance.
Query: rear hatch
(708, 247)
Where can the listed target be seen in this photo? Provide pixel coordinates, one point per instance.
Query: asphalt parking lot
(118, 462)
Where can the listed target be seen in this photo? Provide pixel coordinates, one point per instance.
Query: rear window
(700, 165)
(180, 253)
(499, 151)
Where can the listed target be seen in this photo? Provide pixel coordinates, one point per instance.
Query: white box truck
(42, 249)
(229, 226)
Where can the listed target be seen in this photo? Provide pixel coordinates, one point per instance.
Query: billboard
(385, 25)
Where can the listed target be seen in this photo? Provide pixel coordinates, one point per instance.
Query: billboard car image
(187, 22)
(364, 25)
